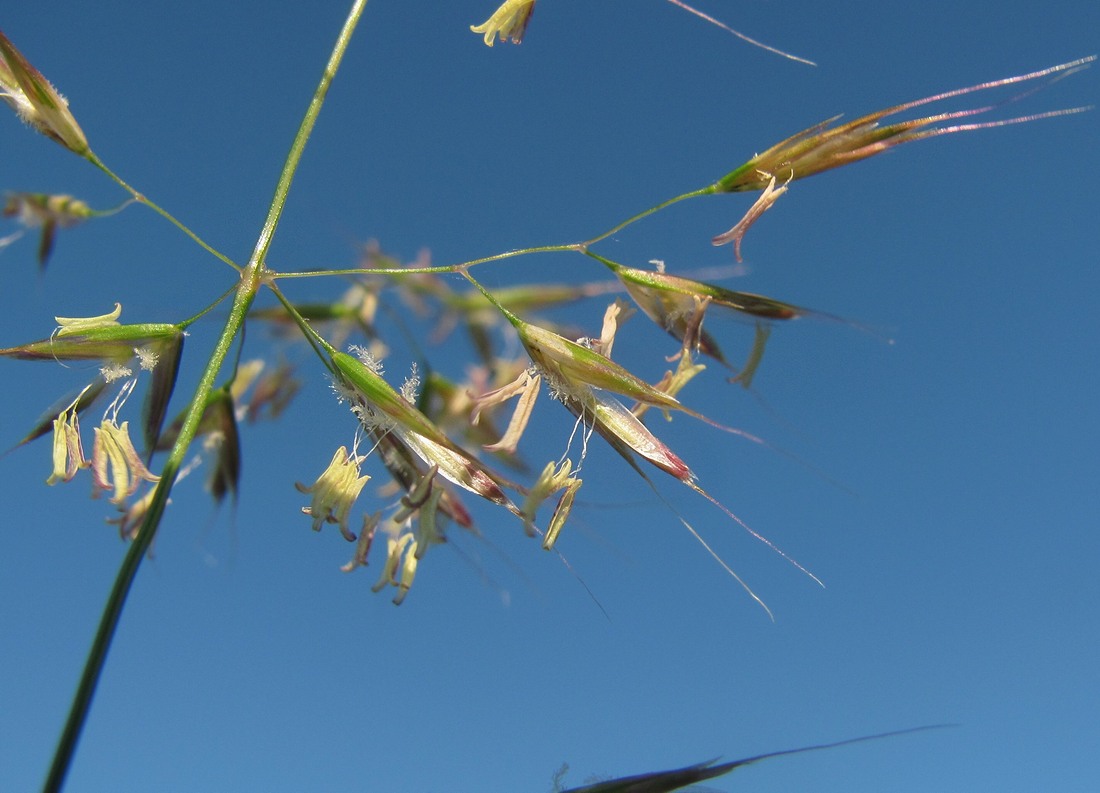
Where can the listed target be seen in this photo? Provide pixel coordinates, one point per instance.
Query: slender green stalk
(184, 324)
(259, 255)
(97, 656)
(439, 269)
(580, 247)
(323, 349)
(610, 265)
(164, 213)
(251, 278)
(708, 190)
(492, 300)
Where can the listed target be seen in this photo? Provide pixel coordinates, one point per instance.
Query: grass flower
(824, 146)
(674, 302)
(570, 367)
(686, 369)
(98, 338)
(384, 411)
(762, 204)
(410, 530)
(626, 433)
(422, 502)
(48, 212)
(576, 370)
(554, 478)
(456, 410)
(670, 296)
(157, 348)
(526, 386)
(68, 451)
(363, 544)
(272, 390)
(401, 555)
(273, 393)
(584, 380)
(509, 22)
(561, 513)
(37, 102)
(71, 325)
(116, 465)
(408, 469)
(335, 491)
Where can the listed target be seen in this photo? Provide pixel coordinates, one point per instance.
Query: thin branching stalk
(708, 190)
(251, 278)
(436, 270)
(164, 213)
(323, 349)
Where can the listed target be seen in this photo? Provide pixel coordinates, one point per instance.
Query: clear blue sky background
(960, 555)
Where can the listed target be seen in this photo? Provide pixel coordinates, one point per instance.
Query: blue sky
(948, 496)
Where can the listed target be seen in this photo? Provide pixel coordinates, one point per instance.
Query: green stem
(440, 269)
(299, 144)
(164, 213)
(708, 190)
(610, 265)
(461, 267)
(320, 346)
(108, 622)
(192, 320)
(508, 315)
(252, 277)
